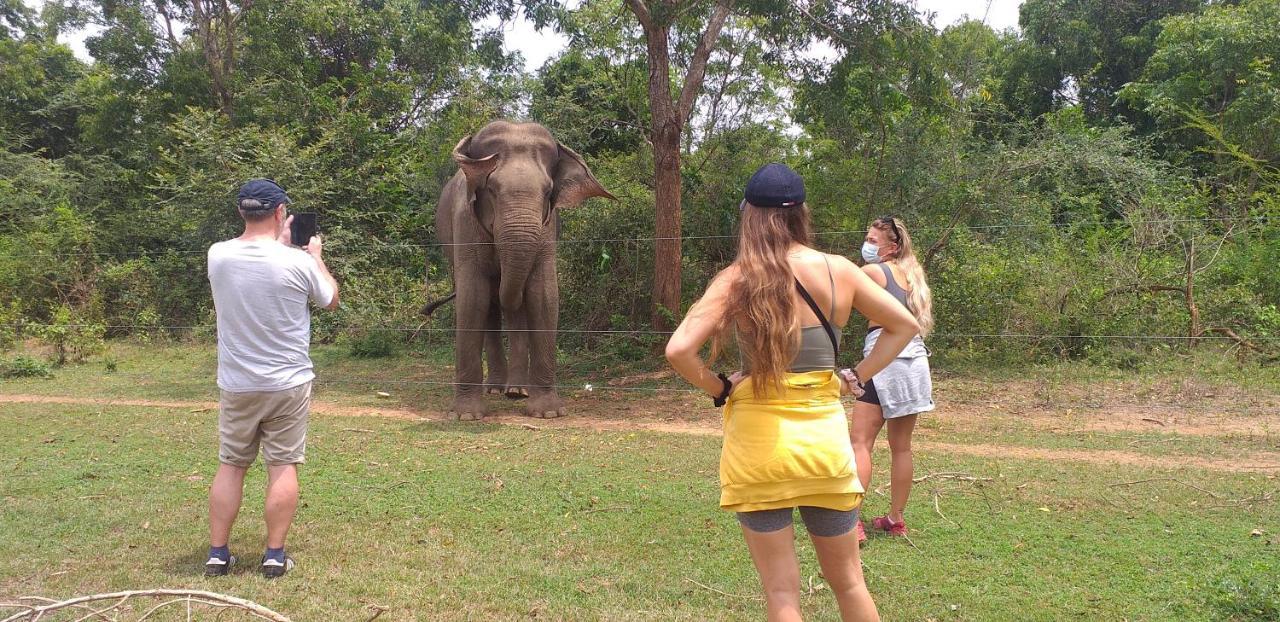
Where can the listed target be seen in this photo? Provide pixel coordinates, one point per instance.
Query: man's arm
(315, 248)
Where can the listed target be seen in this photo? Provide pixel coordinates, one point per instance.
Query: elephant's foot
(545, 406)
(468, 408)
(496, 384)
(516, 393)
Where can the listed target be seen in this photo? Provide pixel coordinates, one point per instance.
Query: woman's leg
(867, 421)
(901, 466)
(839, 558)
(774, 554)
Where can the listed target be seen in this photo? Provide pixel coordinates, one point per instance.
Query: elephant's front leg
(494, 355)
(542, 308)
(472, 314)
(518, 370)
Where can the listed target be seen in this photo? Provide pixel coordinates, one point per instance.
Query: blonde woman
(904, 389)
(785, 432)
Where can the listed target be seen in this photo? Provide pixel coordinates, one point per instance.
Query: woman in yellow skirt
(786, 437)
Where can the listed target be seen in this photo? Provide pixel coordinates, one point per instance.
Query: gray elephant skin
(497, 221)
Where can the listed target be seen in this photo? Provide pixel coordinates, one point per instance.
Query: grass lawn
(456, 521)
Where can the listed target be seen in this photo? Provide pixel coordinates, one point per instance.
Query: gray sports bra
(815, 351)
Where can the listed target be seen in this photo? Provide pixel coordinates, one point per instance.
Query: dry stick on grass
(213, 599)
(31, 608)
(101, 613)
(377, 611)
(955, 475)
(708, 587)
(608, 508)
(1167, 479)
(938, 509)
(1249, 501)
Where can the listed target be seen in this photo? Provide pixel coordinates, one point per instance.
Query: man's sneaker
(889, 527)
(272, 568)
(217, 567)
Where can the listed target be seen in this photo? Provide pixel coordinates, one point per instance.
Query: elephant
(497, 221)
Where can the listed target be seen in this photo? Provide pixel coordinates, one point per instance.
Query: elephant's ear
(574, 182)
(476, 169)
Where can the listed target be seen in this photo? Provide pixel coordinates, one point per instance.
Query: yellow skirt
(789, 447)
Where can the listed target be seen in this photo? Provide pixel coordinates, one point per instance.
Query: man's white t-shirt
(260, 294)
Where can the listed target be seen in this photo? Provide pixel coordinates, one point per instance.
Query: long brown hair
(920, 300)
(762, 302)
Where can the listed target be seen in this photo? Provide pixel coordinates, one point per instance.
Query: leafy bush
(72, 337)
(23, 366)
(373, 344)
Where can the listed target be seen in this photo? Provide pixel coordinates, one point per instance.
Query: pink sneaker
(889, 527)
(860, 531)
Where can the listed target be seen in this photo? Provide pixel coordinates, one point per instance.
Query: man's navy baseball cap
(775, 185)
(264, 191)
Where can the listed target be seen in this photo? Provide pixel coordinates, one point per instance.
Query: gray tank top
(815, 346)
(891, 285)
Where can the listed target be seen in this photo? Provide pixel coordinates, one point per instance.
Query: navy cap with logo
(775, 185)
(267, 193)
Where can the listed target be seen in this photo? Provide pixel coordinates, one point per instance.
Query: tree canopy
(1110, 168)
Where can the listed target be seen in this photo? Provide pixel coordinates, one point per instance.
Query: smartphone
(302, 228)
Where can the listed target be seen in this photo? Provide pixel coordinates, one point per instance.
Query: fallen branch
(1155, 421)
(1240, 341)
(610, 508)
(953, 475)
(1167, 479)
(377, 611)
(37, 612)
(708, 587)
(938, 509)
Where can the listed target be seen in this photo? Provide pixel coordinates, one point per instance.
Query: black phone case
(302, 228)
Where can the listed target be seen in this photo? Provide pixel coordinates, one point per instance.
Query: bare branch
(642, 13)
(197, 596)
(698, 65)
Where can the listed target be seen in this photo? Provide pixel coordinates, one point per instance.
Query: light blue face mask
(870, 253)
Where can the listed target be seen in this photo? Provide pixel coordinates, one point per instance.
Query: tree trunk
(669, 118)
(665, 136)
(1193, 327)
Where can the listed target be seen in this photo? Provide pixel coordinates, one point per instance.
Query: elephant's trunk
(520, 241)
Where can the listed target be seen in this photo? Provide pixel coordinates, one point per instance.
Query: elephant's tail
(431, 307)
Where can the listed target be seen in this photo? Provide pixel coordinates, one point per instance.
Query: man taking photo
(261, 289)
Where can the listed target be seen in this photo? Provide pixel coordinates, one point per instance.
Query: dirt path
(604, 415)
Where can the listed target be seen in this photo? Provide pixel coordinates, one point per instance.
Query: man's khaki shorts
(276, 420)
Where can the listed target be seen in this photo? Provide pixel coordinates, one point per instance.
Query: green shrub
(23, 366)
(72, 336)
(373, 344)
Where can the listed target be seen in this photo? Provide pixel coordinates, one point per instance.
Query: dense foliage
(1108, 169)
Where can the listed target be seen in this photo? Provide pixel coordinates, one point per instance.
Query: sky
(537, 47)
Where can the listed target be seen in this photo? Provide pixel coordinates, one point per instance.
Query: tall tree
(670, 114)
(1095, 47)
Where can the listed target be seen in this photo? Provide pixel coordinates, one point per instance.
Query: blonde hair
(920, 300)
(762, 298)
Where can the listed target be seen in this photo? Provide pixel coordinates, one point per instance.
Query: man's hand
(284, 236)
(315, 246)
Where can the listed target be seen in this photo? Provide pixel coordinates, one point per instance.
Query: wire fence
(625, 332)
(593, 384)
(637, 240)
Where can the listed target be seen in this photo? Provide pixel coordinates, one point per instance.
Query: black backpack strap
(831, 332)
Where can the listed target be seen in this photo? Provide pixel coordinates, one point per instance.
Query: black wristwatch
(724, 395)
